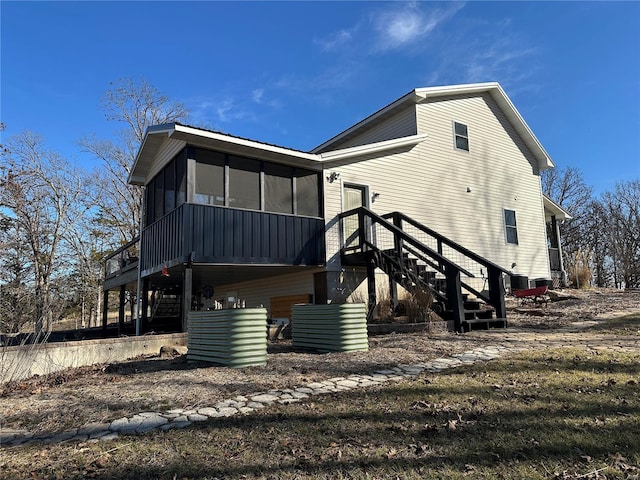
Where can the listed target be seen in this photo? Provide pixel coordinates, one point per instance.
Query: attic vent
(461, 136)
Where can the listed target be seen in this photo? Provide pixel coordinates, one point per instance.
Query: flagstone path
(503, 342)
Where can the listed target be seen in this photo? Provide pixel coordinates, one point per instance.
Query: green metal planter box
(330, 328)
(235, 337)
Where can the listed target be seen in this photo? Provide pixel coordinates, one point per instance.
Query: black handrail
(450, 269)
(121, 249)
(446, 241)
(401, 234)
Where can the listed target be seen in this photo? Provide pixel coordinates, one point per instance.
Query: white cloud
(335, 40)
(500, 54)
(398, 27)
(257, 94)
(223, 110)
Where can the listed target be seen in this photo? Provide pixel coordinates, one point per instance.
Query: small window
(461, 135)
(511, 229)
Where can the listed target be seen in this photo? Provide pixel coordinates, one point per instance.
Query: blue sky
(297, 73)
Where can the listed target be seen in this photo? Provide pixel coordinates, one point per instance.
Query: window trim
(456, 135)
(507, 227)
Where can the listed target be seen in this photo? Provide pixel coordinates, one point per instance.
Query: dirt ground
(103, 393)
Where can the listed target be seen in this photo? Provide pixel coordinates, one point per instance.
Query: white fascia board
(544, 160)
(409, 97)
(552, 208)
(195, 133)
(352, 152)
(426, 92)
(165, 129)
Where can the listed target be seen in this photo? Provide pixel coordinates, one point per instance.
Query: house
(439, 189)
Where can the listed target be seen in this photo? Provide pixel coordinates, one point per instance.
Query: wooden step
(483, 324)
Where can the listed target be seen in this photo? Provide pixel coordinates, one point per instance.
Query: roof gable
(419, 95)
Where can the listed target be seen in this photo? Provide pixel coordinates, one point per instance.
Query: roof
(419, 95)
(156, 136)
(551, 208)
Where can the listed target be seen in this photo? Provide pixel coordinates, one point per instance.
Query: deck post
(496, 292)
(398, 245)
(123, 291)
(371, 288)
(145, 305)
(454, 296)
(187, 287)
(105, 312)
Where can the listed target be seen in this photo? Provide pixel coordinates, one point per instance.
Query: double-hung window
(461, 134)
(511, 229)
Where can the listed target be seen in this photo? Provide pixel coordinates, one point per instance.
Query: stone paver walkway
(506, 341)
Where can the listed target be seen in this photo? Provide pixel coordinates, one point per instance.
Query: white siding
(259, 292)
(169, 149)
(430, 182)
(400, 125)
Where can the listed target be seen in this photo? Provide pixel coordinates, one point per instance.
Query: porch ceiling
(231, 274)
(219, 275)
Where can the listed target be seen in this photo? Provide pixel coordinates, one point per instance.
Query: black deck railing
(213, 234)
(363, 230)
(123, 259)
(554, 259)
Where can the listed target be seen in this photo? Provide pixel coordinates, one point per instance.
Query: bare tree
(622, 207)
(40, 199)
(567, 188)
(136, 105)
(597, 236)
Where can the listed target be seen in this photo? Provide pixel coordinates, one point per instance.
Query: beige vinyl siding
(259, 292)
(169, 149)
(400, 125)
(430, 182)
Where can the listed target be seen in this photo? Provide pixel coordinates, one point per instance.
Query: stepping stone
(208, 411)
(265, 398)
(196, 417)
(151, 422)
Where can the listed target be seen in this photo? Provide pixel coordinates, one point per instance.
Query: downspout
(143, 209)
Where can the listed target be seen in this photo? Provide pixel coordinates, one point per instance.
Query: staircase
(418, 258)
(166, 310)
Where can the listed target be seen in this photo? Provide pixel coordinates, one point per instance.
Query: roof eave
(371, 148)
(194, 135)
(152, 135)
(408, 98)
(554, 209)
(157, 134)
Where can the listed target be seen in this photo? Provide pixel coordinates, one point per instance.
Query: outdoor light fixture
(333, 176)
(374, 197)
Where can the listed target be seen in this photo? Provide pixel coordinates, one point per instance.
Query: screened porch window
(209, 181)
(307, 194)
(244, 183)
(240, 182)
(168, 189)
(278, 188)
